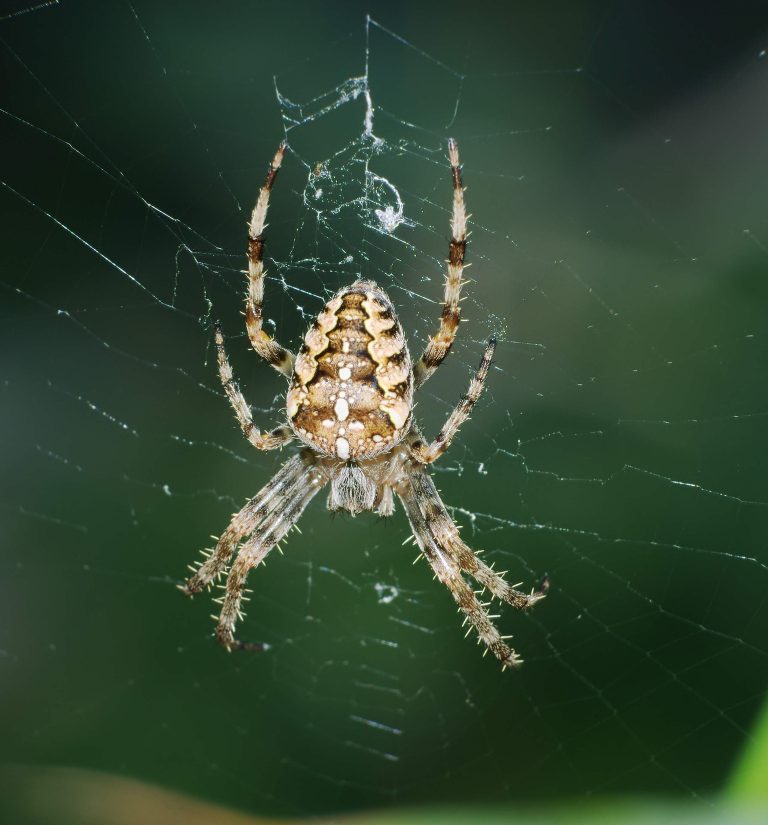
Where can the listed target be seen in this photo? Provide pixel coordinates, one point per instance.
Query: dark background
(615, 155)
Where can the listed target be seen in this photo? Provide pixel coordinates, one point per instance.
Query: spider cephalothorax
(350, 401)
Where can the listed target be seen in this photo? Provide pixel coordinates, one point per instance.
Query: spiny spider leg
(281, 489)
(279, 357)
(461, 412)
(261, 441)
(447, 570)
(446, 534)
(269, 532)
(439, 346)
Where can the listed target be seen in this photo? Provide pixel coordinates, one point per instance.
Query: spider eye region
(351, 393)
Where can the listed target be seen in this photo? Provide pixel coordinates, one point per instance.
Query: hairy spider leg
(273, 497)
(446, 534)
(460, 413)
(272, 352)
(448, 573)
(266, 534)
(279, 437)
(439, 346)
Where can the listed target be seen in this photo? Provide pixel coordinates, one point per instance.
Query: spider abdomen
(352, 389)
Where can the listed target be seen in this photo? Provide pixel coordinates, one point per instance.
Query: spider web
(618, 254)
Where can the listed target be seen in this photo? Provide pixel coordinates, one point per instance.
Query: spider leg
(447, 571)
(446, 534)
(279, 357)
(439, 346)
(447, 568)
(426, 454)
(283, 487)
(266, 534)
(261, 441)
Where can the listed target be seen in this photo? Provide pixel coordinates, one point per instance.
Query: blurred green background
(615, 156)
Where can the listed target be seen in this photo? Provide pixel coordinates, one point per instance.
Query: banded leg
(282, 487)
(269, 532)
(426, 454)
(279, 357)
(261, 441)
(439, 346)
(446, 534)
(447, 571)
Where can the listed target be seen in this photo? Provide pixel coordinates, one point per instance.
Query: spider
(350, 401)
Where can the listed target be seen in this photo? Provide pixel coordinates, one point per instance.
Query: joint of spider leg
(456, 251)
(457, 184)
(275, 166)
(256, 247)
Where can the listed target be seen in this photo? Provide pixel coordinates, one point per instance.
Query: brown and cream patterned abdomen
(352, 389)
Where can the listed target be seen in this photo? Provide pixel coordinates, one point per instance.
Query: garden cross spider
(350, 402)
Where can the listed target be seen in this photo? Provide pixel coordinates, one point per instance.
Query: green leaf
(749, 780)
